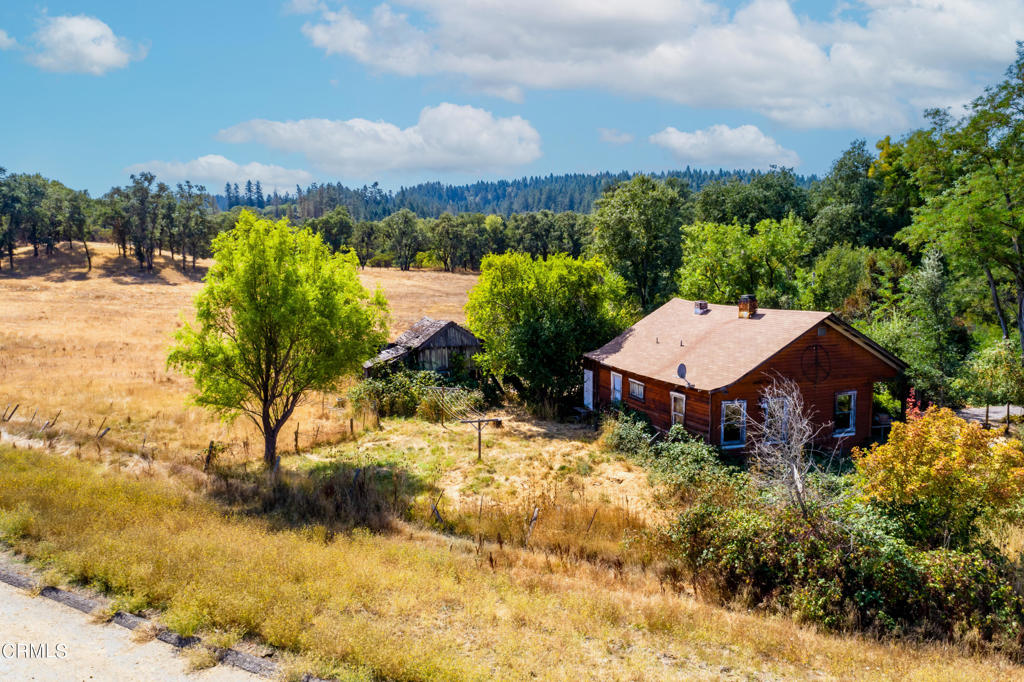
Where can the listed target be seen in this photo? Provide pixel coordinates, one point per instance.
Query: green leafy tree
(921, 329)
(76, 222)
(280, 316)
(971, 173)
(638, 232)
(767, 196)
(365, 236)
(993, 375)
(335, 227)
(536, 318)
(446, 239)
(725, 261)
(404, 237)
(846, 204)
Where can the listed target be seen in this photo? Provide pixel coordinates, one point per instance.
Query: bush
(677, 458)
(845, 571)
(628, 433)
(403, 393)
(396, 394)
(427, 259)
(381, 260)
(939, 476)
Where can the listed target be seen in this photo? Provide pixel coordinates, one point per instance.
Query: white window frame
(616, 398)
(852, 430)
(743, 426)
(643, 390)
(672, 408)
(588, 395)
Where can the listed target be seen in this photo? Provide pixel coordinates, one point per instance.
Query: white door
(616, 388)
(588, 389)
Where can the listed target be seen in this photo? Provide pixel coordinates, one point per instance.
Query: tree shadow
(68, 263)
(336, 495)
(64, 264)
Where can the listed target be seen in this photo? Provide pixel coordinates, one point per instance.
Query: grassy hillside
(140, 514)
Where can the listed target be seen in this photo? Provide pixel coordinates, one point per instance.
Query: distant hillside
(570, 192)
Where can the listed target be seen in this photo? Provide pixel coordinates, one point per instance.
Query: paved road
(996, 413)
(90, 651)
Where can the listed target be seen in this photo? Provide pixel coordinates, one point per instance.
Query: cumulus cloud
(612, 136)
(873, 65)
(742, 147)
(6, 41)
(447, 137)
(214, 170)
(82, 44)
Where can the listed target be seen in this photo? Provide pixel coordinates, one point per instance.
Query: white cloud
(82, 44)
(447, 137)
(612, 136)
(874, 65)
(6, 41)
(719, 145)
(214, 170)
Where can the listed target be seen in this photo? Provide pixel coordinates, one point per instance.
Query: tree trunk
(986, 415)
(270, 458)
(1006, 431)
(995, 301)
(88, 256)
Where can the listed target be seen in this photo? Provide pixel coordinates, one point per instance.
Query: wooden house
(427, 345)
(704, 366)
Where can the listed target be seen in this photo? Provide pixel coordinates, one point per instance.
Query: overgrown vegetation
(897, 547)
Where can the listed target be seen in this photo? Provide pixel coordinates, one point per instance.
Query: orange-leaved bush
(938, 475)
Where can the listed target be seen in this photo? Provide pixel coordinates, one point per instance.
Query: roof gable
(425, 333)
(707, 351)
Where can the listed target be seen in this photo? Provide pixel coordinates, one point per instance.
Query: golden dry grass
(94, 345)
(411, 607)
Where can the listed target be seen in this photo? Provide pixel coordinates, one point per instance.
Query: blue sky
(299, 90)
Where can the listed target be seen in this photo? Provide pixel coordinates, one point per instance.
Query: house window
(678, 407)
(616, 387)
(775, 414)
(844, 416)
(734, 423)
(636, 390)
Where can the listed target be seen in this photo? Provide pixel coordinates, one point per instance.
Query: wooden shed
(427, 345)
(704, 366)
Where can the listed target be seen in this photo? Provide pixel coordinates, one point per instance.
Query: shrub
(677, 457)
(843, 570)
(381, 260)
(395, 394)
(403, 393)
(628, 433)
(938, 476)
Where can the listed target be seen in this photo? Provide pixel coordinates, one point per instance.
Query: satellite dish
(681, 371)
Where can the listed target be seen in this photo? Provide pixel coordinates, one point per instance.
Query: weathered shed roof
(715, 349)
(426, 333)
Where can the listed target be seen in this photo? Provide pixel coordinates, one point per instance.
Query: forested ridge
(568, 192)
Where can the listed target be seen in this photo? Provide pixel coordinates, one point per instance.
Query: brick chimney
(748, 306)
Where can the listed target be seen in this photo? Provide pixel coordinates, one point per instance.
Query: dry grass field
(93, 346)
(135, 517)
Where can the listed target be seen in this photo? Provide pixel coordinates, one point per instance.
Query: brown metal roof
(707, 351)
